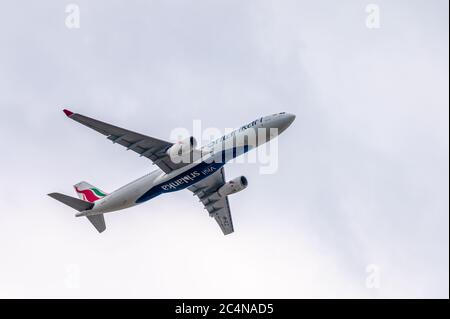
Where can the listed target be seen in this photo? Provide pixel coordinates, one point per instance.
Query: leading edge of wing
(146, 146)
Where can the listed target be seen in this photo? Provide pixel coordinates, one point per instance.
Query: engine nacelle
(181, 150)
(233, 186)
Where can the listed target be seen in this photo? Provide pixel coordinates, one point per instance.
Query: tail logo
(91, 194)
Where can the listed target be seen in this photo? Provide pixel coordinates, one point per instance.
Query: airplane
(181, 165)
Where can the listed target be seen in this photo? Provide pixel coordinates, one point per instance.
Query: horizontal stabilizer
(98, 221)
(75, 203)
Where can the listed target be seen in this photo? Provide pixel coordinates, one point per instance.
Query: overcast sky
(361, 190)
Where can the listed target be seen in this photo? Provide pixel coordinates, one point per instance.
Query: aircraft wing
(150, 147)
(217, 206)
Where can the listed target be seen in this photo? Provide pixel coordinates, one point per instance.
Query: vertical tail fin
(88, 192)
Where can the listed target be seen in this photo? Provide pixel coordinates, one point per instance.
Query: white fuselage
(213, 156)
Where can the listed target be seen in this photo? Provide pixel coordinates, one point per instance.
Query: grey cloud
(363, 172)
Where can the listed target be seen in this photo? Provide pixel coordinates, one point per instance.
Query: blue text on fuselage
(191, 176)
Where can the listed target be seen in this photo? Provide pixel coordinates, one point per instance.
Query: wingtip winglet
(67, 112)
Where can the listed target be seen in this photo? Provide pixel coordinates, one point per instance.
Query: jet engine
(233, 186)
(182, 149)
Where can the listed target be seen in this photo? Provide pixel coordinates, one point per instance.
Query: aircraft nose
(284, 122)
(289, 119)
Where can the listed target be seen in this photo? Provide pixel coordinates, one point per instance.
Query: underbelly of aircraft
(182, 181)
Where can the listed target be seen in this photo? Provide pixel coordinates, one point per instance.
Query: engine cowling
(233, 186)
(181, 150)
